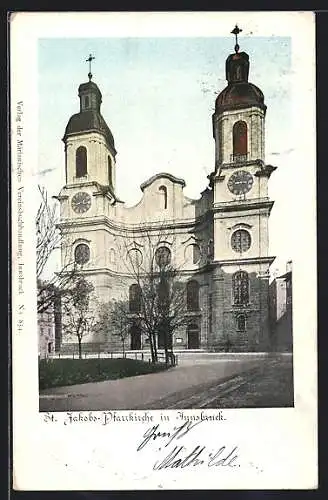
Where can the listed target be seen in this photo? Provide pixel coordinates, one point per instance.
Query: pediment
(163, 175)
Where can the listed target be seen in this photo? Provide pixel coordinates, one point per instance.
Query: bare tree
(171, 307)
(157, 297)
(114, 321)
(48, 236)
(79, 318)
(50, 239)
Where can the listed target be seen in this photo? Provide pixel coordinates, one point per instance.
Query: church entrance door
(193, 336)
(135, 333)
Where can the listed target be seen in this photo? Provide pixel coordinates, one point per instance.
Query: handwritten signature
(154, 433)
(180, 456)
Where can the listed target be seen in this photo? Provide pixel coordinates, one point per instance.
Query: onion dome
(90, 119)
(239, 93)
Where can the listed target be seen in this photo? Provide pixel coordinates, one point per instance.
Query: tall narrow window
(240, 284)
(81, 162)
(112, 256)
(134, 298)
(210, 249)
(193, 296)
(163, 193)
(86, 101)
(240, 139)
(110, 172)
(193, 336)
(241, 323)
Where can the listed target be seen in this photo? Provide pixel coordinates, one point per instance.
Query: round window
(135, 257)
(82, 253)
(241, 241)
(163, 256)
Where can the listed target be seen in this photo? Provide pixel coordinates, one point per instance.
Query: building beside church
(219, 241)
(46, 332)
(281, 311)
(49, 321)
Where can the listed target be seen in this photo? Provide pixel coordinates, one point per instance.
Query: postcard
(163, 173)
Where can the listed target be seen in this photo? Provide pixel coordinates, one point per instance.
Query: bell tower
(89, 195)
(241, 207)
(89, 144)
(239, 117)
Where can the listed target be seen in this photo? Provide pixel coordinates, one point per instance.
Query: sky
(158, 98)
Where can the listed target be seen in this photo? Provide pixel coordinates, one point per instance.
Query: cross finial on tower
(236, 32)
(89, 60)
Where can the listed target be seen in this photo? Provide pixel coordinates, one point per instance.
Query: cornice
(237, 206)
(244, 261)
(137, 228)
(240, 164)
(265, 171)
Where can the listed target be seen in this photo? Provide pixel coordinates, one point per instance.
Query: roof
(239, 95)
(87, 121)
(286, 276)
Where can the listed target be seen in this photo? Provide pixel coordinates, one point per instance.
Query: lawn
(59, 372)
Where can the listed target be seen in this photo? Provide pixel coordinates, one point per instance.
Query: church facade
(218, 242)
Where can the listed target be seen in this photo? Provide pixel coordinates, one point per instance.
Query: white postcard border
(281, 444)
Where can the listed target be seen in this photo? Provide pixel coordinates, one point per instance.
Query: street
(201, 384)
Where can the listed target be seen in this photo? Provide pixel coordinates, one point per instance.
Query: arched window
(86, 101)
(240, 241)
(134, 298)
(193, 295)
(82, 253)
(241, 323)
(240, 285)
(110, 172)
(240, 139)
(163, 256)
(81, 162)
(163, 193)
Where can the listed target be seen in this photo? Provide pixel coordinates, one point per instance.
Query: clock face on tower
(81, 202)
(240, 182)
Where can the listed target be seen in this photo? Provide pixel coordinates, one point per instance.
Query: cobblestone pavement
(146, 391)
